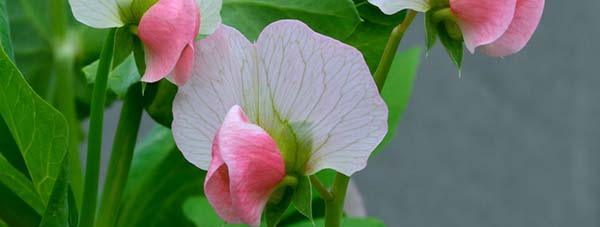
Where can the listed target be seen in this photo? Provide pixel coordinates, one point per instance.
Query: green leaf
(33, 51)
(201, 213)
(371, 35)
(57, 211)
(5, 30)
(160, 181)
(398, 88)
(3, 224)
(347, 222)
(120, 78)
(14, 211)
(335, 18)
(39, 130)
(302, 198)
(20, 185)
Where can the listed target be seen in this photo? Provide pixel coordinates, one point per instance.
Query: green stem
(65, 102)
(121, 156)
(90, 192)
(390, 49)
(334, 208)
(64, 60)
(321, 189)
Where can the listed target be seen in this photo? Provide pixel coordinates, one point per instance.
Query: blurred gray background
(514, 142)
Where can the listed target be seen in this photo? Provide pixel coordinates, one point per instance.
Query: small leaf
(39, 130)
(302, 198)
(397, 90)
(120, 78)
(20, 185)
(57, 211)
(346, 222)
(335, 18)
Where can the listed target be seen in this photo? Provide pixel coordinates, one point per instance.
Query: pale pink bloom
(167, 29)
(245, 168)
(500, 27)
(291, 76)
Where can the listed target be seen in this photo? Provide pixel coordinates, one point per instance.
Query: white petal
(97, 13)
(393, 6)
(210, 15)
(321, 86)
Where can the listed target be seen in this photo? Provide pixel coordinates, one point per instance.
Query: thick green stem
(121, 156)
(90, 192)
(65, 102)
(334, 208)
(64, 60)
(390, 49)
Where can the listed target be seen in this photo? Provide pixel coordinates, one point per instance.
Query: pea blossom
(499, 27)
(293, 103)
(167, 28)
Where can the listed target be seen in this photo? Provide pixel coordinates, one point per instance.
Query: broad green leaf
(302, 198)
(17, 182)
(38, 129)
(57, 211)
(160, 181)
(15, 212)
(5, 30)
(371, 35)
(120, 78)
(3, 224)
(335, 18)
(201, 213)
(347, 222)
(29, 21)
(398, 88)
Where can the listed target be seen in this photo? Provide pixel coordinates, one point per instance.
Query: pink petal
(216, 188)
(254, 166)
(166, 29)
(482, 21)
(183, 69)
(526, 19)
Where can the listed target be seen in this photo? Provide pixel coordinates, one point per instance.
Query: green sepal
(454, 47)
(302, 198)
(278, 204)
(431, 32)
(158, 101)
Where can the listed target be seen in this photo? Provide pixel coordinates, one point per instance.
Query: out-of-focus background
(513, 142)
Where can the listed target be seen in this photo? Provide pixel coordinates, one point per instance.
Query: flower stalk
(334, 207)
(90, 192)
(121, 156)
(390, 49)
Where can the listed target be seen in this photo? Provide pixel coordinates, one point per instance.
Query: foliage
(163, 188)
